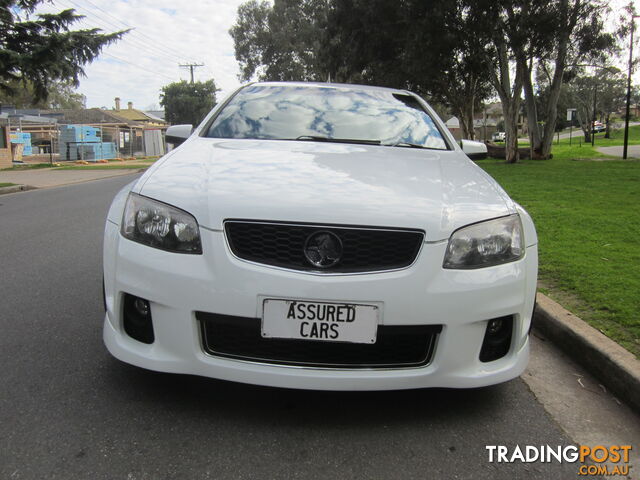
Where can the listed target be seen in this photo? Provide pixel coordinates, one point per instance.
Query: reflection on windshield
(288, 112)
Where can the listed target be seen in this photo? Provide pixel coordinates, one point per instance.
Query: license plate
(330, 322)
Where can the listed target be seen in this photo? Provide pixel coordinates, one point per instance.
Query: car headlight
(485, 244)
(159, 225)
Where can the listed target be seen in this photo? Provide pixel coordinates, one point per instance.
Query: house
(483, 127)
(135, 115)
(133, 132)
(485, 122)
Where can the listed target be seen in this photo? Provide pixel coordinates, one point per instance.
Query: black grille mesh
(239, 338)
(282, 245)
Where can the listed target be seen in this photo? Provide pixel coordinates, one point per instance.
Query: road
(577, 135)
(68, 410)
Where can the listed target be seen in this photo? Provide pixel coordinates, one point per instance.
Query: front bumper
(177, 286)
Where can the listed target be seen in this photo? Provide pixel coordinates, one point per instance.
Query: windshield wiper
(410, 145)
(315, 138)
(404, 144)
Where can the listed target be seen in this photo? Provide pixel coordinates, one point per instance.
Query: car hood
(328, 183)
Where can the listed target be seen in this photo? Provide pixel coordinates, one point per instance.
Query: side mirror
(176, 134)
(474, 150)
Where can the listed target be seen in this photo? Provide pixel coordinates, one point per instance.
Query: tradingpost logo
(597, 460)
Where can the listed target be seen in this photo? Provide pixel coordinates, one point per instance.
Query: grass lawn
(137, 164)
(617, 137)
(26, 166)
(588, 220)
(6, 184)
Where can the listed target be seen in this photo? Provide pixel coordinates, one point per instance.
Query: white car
(499, 137)
(320, 236)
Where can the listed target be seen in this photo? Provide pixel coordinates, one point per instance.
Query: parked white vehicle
(320, 236)
(499, 137)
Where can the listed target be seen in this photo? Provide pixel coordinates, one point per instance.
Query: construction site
(85, 135)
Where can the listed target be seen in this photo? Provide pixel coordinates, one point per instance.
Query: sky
(165, 34)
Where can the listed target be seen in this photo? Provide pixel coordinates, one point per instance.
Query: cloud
(163, 36)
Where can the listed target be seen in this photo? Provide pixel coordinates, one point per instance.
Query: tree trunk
(532, 111)
(584, 118)
(464, 113)
(569, 19)
(510, 98)
(512, 155)
(607, 132)
(541, 142)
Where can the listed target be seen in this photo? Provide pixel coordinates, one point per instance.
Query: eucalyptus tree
(422, 46)
(560, 35)
(607, 87)
(281, 41)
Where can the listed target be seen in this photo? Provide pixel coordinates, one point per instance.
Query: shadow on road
(205, 397)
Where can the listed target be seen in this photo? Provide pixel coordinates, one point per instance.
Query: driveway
(633, 151)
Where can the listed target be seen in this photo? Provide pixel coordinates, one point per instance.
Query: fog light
(494, 326)
(136, 319)
(142, 306)
(497, 339)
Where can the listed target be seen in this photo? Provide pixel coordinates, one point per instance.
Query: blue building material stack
(24, 139)
(78, 142)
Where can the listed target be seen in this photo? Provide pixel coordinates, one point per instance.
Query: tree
(609, 88)
(283, 41)
(563, 32)
(60, 94)
(43, 49)
(581, 91)
(503, 26)
(188, 103)
(377, 42)
(417, 45)
(522, 33)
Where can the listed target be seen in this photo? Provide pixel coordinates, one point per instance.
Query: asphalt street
(68, 410)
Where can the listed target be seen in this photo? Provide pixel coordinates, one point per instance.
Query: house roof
(20, 117)
(481, 122)
(453, 122)
(86, 116)
(135, 115)
(156, 114)
(131, 114)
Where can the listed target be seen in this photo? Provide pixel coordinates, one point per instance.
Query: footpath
(51, 177)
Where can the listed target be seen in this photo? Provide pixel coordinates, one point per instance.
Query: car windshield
(318, 113)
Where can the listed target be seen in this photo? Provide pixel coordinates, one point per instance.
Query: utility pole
(593, 122)
(191, 66)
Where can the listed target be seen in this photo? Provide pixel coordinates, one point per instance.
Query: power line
(105, 24)
(129, 38)
(191, 67)
(134, 41)
(165, 49)
(138, 66)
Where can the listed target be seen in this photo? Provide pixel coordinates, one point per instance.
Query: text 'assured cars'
(320, 236)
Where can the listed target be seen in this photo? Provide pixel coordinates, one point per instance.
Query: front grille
(240, 338)
(364, 249)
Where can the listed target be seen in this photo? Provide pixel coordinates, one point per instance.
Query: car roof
(345, 86)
